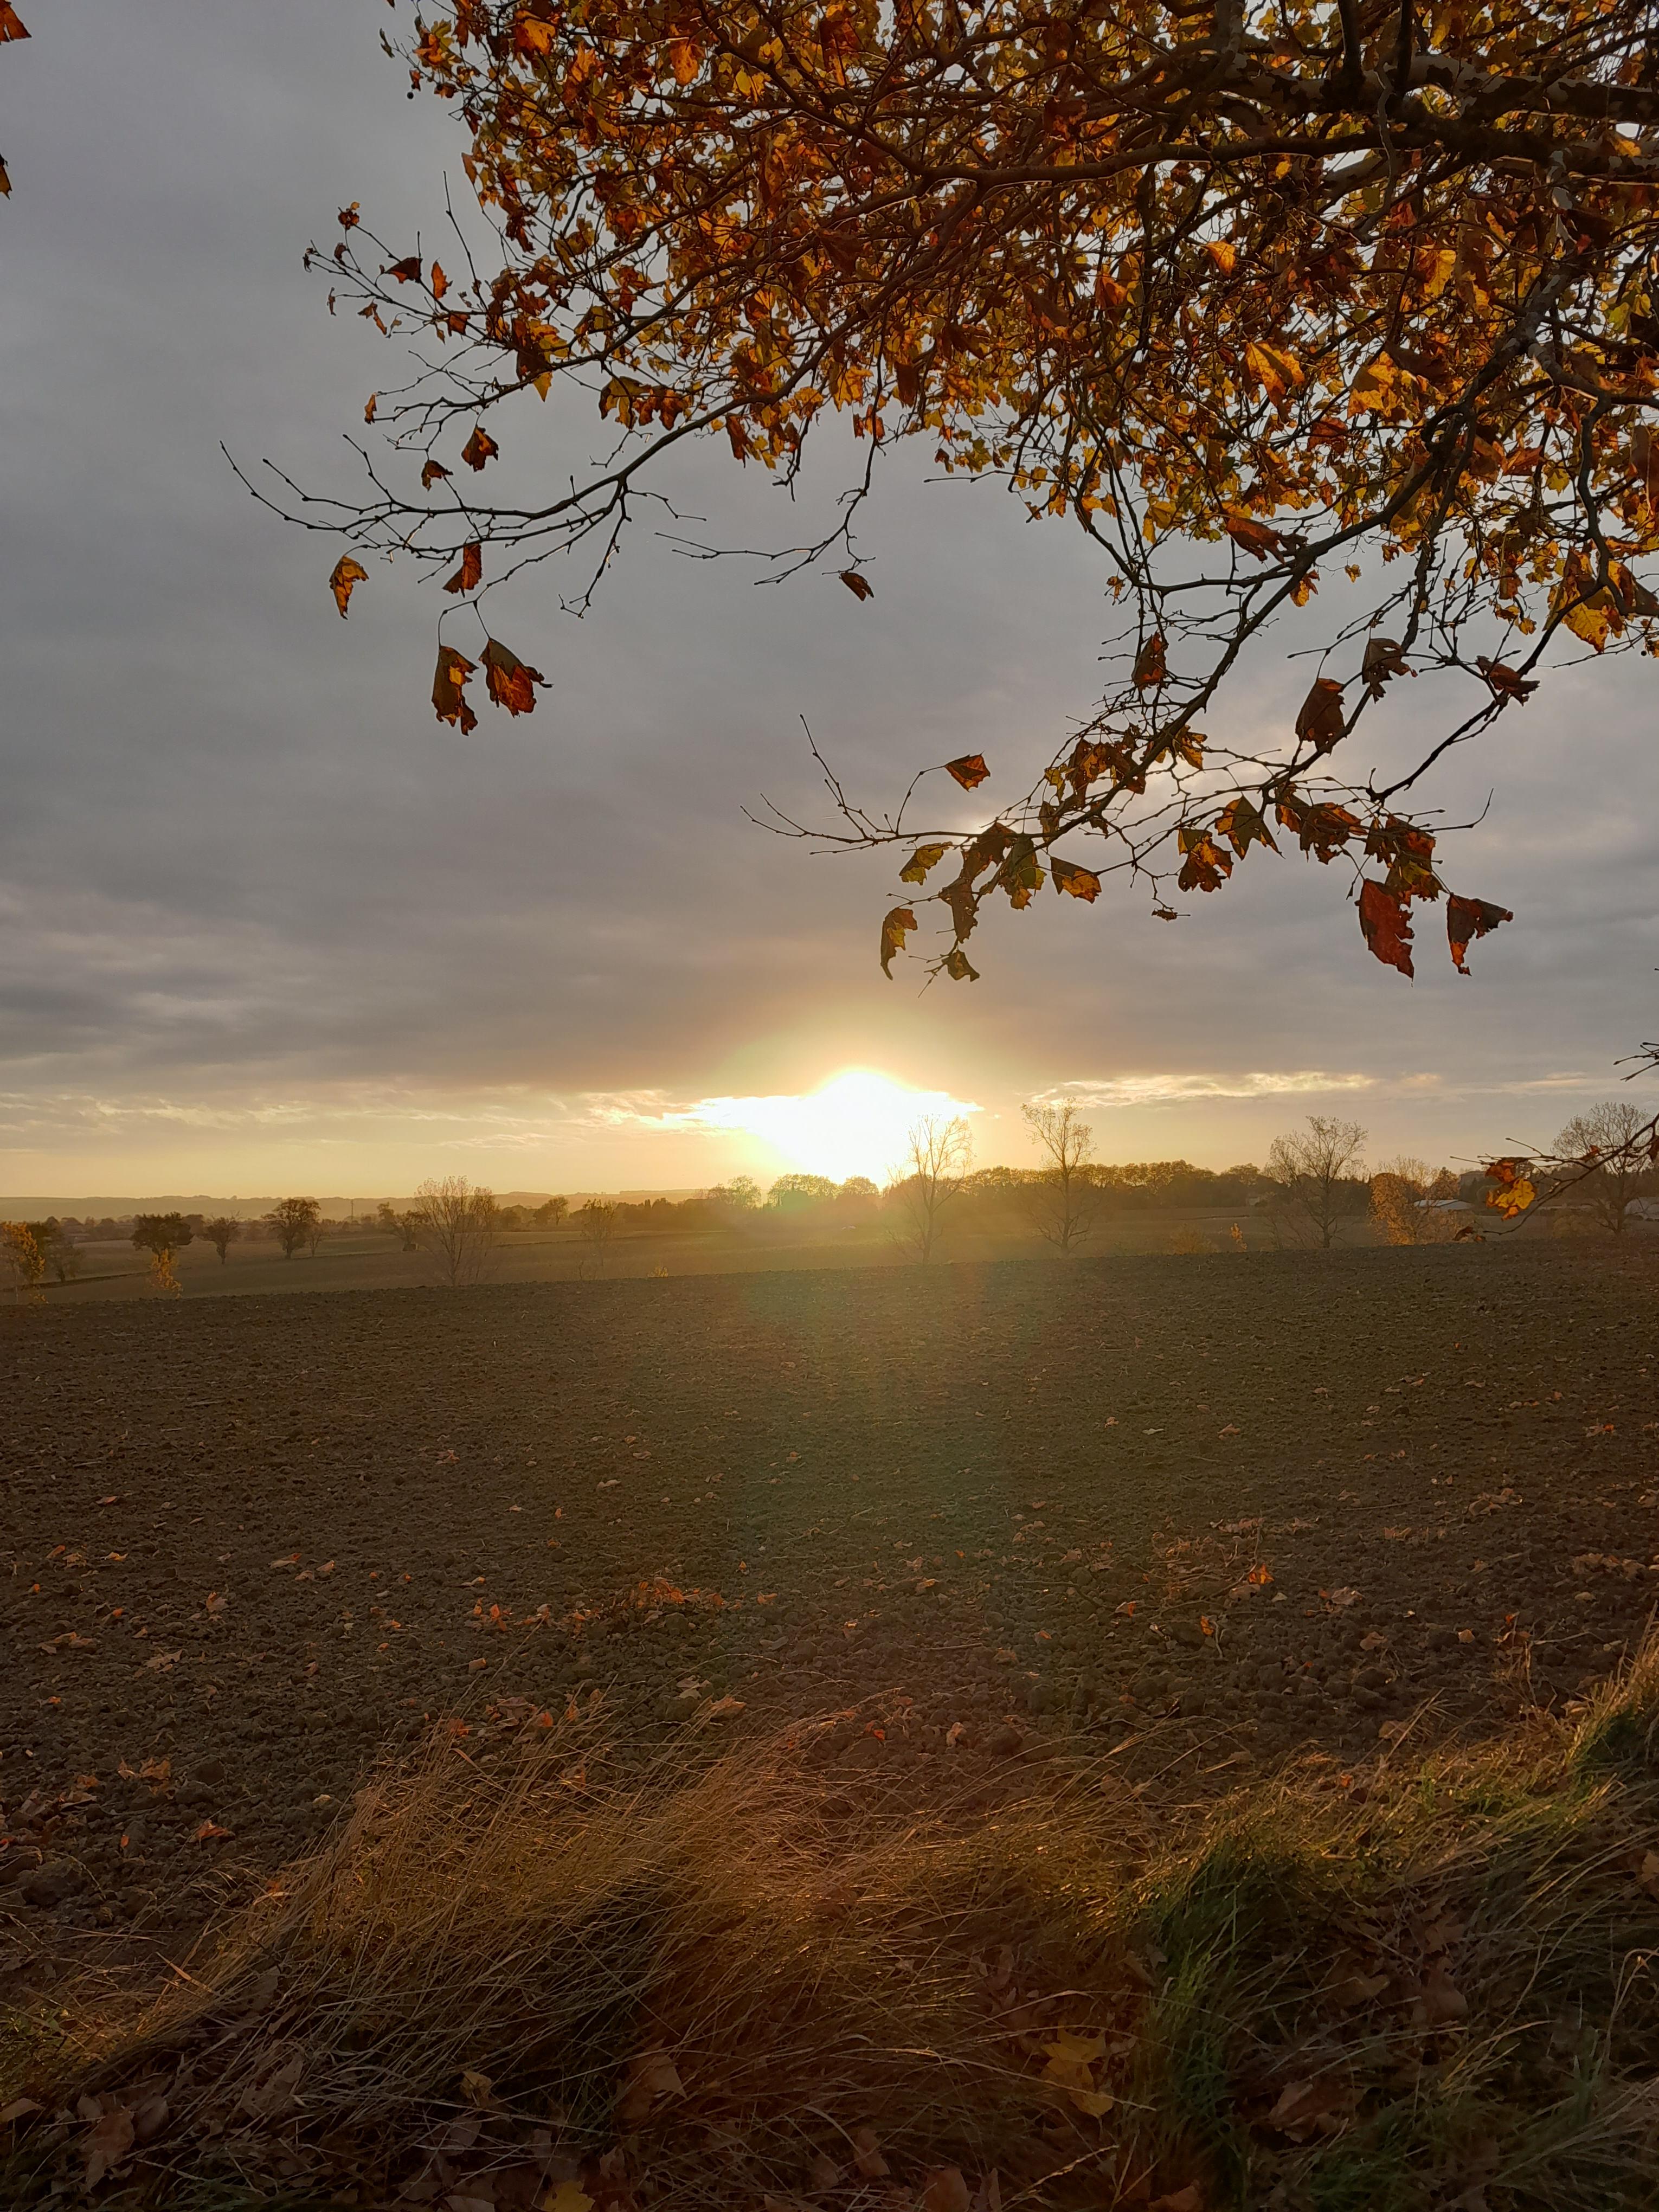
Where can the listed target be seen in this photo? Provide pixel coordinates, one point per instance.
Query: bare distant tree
(457, 1222)
(937, 1155)
(406, 1226)
(315, 1234)
(1064, 1203)
(1604, 1138)
(1314, 1173)
(291, 1222)
(596, 1225)
(222, 1232)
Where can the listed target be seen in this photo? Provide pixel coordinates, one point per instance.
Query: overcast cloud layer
(264, 924)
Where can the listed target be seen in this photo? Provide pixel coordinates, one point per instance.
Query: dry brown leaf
(945, 2190)
(867, 2155)
(651, 2077)
(111, 2139)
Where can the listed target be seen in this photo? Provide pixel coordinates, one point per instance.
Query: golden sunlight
(856, 1124)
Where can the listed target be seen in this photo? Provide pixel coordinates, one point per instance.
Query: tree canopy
(1334, 312)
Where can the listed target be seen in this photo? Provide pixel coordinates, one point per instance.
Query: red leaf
(969, 771)
(1468, 918)
(858, 586)
(1386, 923)
(11, 24)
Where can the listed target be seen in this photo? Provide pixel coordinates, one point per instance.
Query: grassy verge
(525, 1986)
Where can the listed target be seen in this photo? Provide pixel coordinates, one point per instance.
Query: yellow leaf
(568, 2196)
(915, 870)
(1275, 370)
(1096, 2103)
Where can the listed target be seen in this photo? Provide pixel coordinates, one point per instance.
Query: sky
(265, 926)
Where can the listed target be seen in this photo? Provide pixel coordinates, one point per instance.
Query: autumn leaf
(1241, 824)
(959, 968)
(108, 2141)
(512, 682)
(859, 587)
(893, 931)
(1506, 681)
(11, 23)
(1150, 668)
(371, 406)
(970, 770)
(1279, 373)
(348, 217)
(1467, 918)
(867, 2155)
(431, 471)
(1513, 1192)
(407, 271)
(467, 577)
(1383, 661)
(479, 448)
(346, 576)
(448, 692)
(1079, 883)
(5, 182)
(945, 2189)
(1386, 921)
(1320, 720)
(440, 282)
(925, 857)
(1253, 536)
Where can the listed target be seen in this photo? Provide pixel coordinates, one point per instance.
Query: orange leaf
(466, 578)
(479, 448)
(448, 694)
(1081, 883)
(970, 770)
(1150, 669)
(430, 473)
(1385, 920)
(407, 271)
(347, 576)
(512, 682)
(440, 282)
(11, 23)
(893, 931)
(859, 587)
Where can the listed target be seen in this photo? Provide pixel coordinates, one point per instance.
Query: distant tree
(938, 1152)
(1063, 1203)
(512, 1217)
(596, 1225)
(1604, 1138)
(162, 1234)
(22, 1257)
(740, 1195)
(1314, 1178)
(551, 1213)
(291, 1222)
(406, 1226)
(61, 1255)
(221, 1231)
(316, 1232)
(792, 1192)
(457, 1222)
(858, 1187)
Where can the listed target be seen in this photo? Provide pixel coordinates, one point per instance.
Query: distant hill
(335, 1208)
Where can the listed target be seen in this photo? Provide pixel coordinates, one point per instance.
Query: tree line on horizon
(1603, 1171)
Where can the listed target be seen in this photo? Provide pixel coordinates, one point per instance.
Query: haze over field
(264, 925)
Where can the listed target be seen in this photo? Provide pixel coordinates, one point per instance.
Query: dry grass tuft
(1432, 1988)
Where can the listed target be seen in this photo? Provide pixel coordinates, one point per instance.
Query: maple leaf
(1385, 919)
(925, 857)
(512, 682)
(1383, 661)
(959, 968)
(1255, 537)
(448, 692)
(859, 587)
(479, 448)
(1241, 824)
(970, 770)
(1320, 719)
(1512, 1192)
(467, 577)
(1469, 918)
(895, 929)
(346, 576)
(1079, 882)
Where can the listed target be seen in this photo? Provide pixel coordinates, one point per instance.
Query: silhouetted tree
(457, 1222)
(222, 1230)
(937, 1155)
(1064, 1203)
(291, 1222)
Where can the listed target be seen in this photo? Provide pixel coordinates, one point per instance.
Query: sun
(855, 1124)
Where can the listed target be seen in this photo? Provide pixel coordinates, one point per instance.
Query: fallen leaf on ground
(651, 2077)
(111, 2139)
(867, 2155)
(945, 2191)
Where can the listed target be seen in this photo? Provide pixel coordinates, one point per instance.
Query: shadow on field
(526, 1985)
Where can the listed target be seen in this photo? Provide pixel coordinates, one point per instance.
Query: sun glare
(856, 1124)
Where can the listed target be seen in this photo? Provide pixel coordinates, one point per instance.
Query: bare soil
(1204, 1513)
